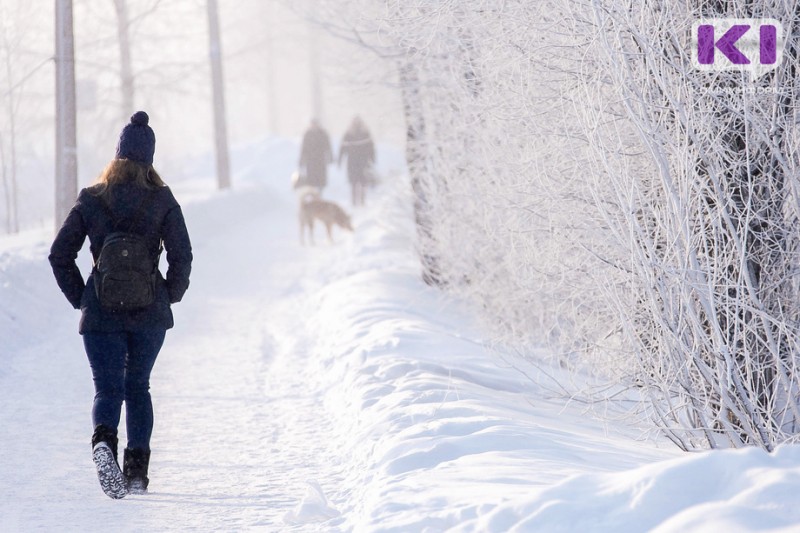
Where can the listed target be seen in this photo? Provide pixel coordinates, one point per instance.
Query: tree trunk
(218, 88)
(12, 174)
(126, 68)
(317, 103)
(8, 154)
(66, 144)
(272, 88)
(416, 159)
(6, 187)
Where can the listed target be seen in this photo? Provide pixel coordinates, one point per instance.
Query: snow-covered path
(238, 422)
(328, 389)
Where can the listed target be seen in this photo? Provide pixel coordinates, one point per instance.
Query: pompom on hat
(137, 142)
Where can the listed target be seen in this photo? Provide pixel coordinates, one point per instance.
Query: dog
(312, 207)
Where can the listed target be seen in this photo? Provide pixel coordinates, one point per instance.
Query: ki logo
(754, 45)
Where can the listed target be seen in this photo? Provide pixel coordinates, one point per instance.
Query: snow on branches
(587, 186)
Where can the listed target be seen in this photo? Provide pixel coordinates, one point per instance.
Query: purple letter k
(726, 44)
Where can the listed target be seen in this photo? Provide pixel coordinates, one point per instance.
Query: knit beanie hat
(137, 141)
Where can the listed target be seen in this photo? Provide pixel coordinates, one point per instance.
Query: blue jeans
(121, 363)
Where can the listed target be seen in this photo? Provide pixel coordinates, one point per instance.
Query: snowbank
(447, 436)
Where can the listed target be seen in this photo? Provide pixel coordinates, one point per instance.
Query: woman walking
(359, 149)
(315, 156)
(128, 215)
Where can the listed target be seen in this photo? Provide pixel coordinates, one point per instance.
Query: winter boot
(104, 454)
(135, 466)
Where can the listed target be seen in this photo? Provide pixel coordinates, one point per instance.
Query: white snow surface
(327, 388)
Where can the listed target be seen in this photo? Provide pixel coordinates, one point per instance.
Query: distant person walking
(315, 156)
(359, 149)
(125, 302)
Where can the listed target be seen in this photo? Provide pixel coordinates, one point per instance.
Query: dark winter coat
(357, 145)
(162, 219)
(315, 156)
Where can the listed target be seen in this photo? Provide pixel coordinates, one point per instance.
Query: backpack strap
(145, 201)
(139, 212)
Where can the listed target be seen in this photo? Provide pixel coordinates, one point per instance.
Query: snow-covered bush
(711, 305)
(587, 187)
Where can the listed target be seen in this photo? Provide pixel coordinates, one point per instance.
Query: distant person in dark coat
(315, 156)
(122, 346)
(359, 149)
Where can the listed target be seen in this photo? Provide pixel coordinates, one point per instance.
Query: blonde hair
(120, 171)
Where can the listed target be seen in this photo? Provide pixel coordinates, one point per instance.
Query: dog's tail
(308, 194)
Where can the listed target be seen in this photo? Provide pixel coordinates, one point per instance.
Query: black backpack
(125, 272)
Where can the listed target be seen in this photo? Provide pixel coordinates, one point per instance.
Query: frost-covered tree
(710, 219)
(591, 190)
